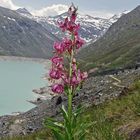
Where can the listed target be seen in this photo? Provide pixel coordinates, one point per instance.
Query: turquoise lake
(17, 80)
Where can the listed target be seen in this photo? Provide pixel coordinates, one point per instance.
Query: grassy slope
(121, 54)
(115, 115)
(119, 47)
(107, 118)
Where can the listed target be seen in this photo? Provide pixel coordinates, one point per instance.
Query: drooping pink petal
(55, 74)
(74, 67)
(58, 88)
(79, 42)
(57, 60)
(59, 47)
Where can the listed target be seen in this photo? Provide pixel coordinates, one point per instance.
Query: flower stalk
(67, 80)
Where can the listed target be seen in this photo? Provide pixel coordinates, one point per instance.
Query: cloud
(8, 4)
(54, 10)
(60, 8)
(51, 10)
(102, 14)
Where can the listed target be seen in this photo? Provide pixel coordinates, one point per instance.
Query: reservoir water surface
(17, 80)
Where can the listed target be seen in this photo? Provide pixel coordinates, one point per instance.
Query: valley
(111, 56)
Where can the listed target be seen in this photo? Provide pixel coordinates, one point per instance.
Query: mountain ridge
(119, 47)
(92, 28)
(21, 36)
(23, 11)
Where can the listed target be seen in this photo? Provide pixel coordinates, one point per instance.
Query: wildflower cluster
(70, 77)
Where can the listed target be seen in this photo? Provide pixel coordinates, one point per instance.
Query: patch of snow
(4, 27)
(11, 19)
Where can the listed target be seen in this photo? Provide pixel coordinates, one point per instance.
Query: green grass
(114, 49)
(111, 116)
(41, 135)
(107, 118)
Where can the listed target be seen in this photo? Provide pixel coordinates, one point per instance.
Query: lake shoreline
(18, 58)
(45, 62)
(46, 65)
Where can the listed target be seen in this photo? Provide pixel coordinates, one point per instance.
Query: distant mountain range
(119, 47)
(22, 36)
(92, 28)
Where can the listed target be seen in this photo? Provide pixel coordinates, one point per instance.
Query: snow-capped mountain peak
(117, 16)
(92, 28)
(24, 12)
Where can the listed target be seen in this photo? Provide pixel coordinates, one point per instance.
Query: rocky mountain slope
(21, 36)
(119, 47)
(91, 27)
(24, 11)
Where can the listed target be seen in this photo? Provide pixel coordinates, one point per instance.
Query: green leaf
(53, 125)
(56, 127)
(67, 124)
(66, 89)
(80, 132)
(78, 88)
(74, 123)
(72, 37)
(64, 112)
(79, 110)
(82, 137)
(58, 136)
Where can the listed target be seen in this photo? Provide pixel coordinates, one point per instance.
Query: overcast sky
(103, 8)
